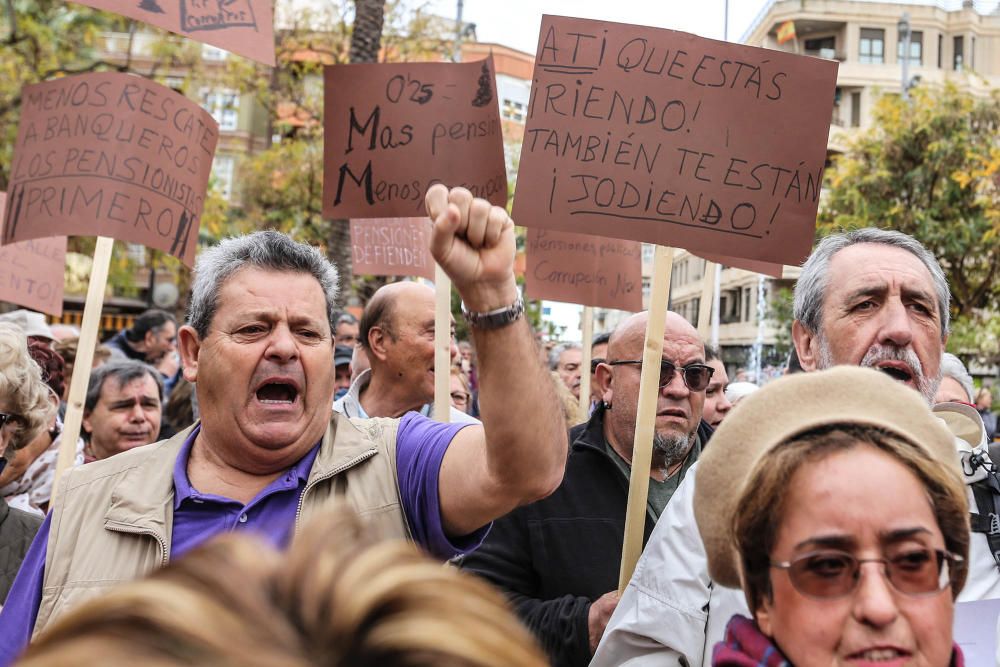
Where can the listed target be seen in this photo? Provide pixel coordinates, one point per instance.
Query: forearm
(525, 432)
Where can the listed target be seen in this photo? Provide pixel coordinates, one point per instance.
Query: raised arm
(519, 454)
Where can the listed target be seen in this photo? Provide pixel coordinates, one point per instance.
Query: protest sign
(662, 136)
(393, 130)
(589, 270)
(245, 27)
(110, 154)
(767, 268)
(31, 272)
(392, 247)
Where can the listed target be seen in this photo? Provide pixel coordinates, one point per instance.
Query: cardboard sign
(392, 247)
(767, 268)
(393, 130)
(31, 273)
(110, 154)
(662, 136)
(589, 270)
(245, 27)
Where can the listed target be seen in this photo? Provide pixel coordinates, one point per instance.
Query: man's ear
(806, 346)
(86, 423)
(189, 346)
(376, 342)
(604, 373)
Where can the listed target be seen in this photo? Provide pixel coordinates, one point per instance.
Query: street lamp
(904, 34)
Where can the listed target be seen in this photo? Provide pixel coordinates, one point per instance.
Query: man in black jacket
(557, 559)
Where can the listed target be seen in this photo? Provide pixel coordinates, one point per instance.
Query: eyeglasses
(836, 574)
(696, 376)
(459, 397)
(9, 418)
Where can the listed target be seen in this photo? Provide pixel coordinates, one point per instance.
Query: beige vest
(114, 518)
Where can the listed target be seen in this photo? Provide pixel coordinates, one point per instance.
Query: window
(959, 53)
(916, 56)
(223, 170)
(647, 252)
(647, 287)
(824, 47)
(972, 52)
(209, 52)
(940, 50)
(872, 51)
(856, 109)
(512, 110)
(747, 299)
(224, 106)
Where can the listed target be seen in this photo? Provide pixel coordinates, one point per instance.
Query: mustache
(878, 353)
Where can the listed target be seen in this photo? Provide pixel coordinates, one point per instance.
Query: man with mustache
(867, 297)
(268, 452)
(558, 559)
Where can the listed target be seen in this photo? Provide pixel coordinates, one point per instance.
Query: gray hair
(952, 367)
(810, 289)
(125, 371)
(269, 250)
(557, 352)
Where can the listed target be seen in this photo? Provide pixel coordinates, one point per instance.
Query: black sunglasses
(696, 376)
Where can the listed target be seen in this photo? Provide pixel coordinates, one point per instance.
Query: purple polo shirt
(420, 447)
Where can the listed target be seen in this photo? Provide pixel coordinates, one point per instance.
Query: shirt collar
(182, 485)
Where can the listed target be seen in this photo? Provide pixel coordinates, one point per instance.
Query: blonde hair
(761, 508)
(339, 597)
(572, 414)
(21, 385)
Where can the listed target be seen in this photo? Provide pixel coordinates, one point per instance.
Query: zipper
(122, 528)
(336, 471)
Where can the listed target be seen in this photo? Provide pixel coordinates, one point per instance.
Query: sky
(515, 22)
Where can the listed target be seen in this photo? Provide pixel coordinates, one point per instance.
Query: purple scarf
(746, 646)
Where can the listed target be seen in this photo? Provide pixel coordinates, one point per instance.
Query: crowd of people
(266, 483)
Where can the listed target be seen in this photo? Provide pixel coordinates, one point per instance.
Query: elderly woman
(25, 410)
(846, 525)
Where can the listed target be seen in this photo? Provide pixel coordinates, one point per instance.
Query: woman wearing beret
(846, 525)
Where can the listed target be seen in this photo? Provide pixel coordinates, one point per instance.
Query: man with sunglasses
(557, 559)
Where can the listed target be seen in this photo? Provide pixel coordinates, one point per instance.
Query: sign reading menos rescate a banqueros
(114, 155)
(665, 137)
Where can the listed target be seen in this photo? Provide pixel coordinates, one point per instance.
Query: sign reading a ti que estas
(245, 27)
(393, 130)
(589, 270)
(110, 154)
(32, 272)
(661, 136)
(392, 247)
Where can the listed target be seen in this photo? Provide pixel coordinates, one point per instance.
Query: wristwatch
(495, 319)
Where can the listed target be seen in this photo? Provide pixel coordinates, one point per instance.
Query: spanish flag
(786, 32)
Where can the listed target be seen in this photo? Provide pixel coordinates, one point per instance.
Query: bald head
(381, 310)
(627, 340)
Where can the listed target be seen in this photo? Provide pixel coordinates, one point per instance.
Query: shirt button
(243, 518)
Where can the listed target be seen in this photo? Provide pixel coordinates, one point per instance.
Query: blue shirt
(420, 448)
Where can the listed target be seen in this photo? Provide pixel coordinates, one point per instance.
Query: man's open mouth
(899, 372)
(277, 393)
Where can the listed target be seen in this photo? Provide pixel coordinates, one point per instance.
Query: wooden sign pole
(705, 305)
(645, 421)
(442, 345)
(84, 358)
(588, 337)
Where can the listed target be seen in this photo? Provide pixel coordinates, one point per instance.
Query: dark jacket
(17, 530)
(555, 556)
(119, 345)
